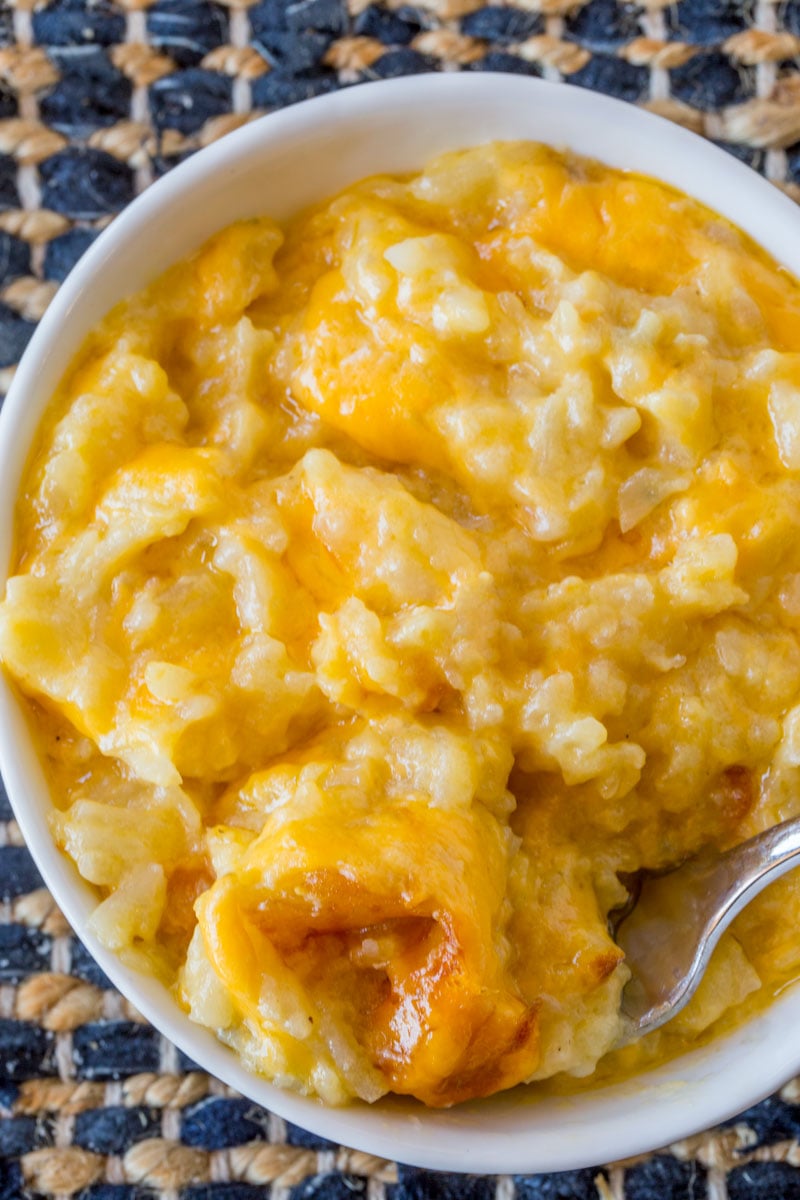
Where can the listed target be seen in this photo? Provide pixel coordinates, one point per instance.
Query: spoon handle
(747, 869)
(679, 918)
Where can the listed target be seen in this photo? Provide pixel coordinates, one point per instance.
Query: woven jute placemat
(97, 99)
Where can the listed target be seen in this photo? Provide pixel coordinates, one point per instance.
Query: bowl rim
(657, 1108)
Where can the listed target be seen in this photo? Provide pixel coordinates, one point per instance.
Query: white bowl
(276, 166)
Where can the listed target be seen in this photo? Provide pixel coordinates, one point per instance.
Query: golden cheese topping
(388, 584)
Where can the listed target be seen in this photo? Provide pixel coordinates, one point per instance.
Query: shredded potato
(390, 584)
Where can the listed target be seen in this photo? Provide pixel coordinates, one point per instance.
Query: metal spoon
(674, 920)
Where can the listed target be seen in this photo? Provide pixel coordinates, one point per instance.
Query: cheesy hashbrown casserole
(388, 585)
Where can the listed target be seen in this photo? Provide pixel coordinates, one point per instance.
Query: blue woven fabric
(97, 99)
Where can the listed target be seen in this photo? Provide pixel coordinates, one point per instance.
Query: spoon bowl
(675, 919)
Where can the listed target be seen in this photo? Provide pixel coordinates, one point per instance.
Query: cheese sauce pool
(388, 584)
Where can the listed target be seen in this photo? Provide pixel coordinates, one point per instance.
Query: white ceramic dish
(276, 166)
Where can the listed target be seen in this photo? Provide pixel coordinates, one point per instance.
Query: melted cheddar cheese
(388, 584)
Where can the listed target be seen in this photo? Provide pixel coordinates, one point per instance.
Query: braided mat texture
(97, 99)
